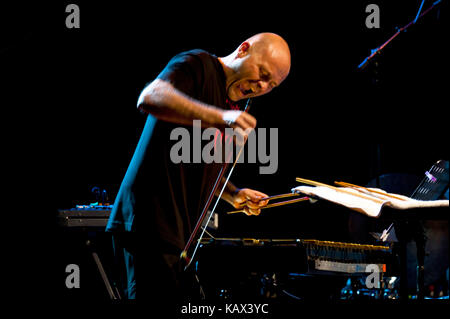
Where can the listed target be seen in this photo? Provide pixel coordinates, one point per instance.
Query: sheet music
(371, 204)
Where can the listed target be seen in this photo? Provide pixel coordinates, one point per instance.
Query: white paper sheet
(371, 204)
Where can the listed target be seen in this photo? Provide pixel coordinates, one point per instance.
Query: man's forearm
(167, 103)
(229, 191)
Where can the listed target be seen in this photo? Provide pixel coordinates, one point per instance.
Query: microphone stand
(378, 50)
(416, 229)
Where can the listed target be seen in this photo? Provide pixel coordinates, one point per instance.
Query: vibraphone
(229, 262)
(300, 255)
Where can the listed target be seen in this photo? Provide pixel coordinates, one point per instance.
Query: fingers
(256, 205)
(241, 138)
(245, 121)
(254, 202)
(242, 124)
(256, 196)
(253, 208)
(249, 211)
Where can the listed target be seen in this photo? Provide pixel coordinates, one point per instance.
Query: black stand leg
(403, 291)
(406, 231)
(420, 272)
(114, 295)
(420, 244)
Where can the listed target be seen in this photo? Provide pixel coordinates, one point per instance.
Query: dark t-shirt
(167, 198)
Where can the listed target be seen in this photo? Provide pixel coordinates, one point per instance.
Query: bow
(193, 243)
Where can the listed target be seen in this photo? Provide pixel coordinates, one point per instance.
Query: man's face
(257, 72)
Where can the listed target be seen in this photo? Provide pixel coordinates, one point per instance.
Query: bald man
(159, 202)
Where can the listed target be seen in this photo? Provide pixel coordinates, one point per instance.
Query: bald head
(272, 46)
(257, 66)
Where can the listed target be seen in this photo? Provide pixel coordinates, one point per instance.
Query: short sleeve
(185, 72)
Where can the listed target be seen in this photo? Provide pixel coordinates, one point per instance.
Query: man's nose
(262, 86)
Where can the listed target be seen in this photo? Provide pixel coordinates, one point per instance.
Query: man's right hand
(239, 119)
(242, 122)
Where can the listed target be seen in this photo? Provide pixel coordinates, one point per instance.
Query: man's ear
(243, 49)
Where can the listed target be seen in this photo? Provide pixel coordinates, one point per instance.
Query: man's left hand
(252, 200)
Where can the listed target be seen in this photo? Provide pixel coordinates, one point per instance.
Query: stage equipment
(88, 222)
(252, 268)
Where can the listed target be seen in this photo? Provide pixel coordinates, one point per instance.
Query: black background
(69, 96)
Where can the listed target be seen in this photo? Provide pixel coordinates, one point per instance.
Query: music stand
(432, 187)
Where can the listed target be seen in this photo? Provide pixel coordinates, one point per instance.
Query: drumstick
(275, 197)
(314, 183)
(368, 189)
(292, 201)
